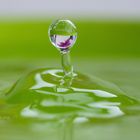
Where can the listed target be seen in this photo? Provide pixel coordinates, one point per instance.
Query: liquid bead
(62, 34)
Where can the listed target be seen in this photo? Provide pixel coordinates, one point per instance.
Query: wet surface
(39, 102)
(40, 95)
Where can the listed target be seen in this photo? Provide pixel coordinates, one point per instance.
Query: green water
(23, 113)
(41, 94)
(74, 121)
(39, 98)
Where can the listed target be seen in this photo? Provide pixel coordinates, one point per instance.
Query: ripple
(41, 95)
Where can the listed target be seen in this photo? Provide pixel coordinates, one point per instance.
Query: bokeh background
(108, 46)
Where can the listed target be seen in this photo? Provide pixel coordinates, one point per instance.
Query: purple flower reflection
(66, 43)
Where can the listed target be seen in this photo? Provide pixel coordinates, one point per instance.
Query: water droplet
(62, 34)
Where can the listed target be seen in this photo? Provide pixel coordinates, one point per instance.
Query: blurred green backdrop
(107, 49)
(29, 39)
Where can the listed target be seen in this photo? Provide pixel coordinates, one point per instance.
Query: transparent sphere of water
(62, 34)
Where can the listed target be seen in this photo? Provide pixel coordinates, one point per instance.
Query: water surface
(39, 101)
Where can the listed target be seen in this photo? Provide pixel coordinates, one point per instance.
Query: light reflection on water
(40, 97)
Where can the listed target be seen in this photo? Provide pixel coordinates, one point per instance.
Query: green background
(107, 49)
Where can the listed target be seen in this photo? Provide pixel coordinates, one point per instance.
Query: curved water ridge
(42, 95)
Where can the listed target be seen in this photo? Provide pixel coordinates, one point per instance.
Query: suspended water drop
(62, 34)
